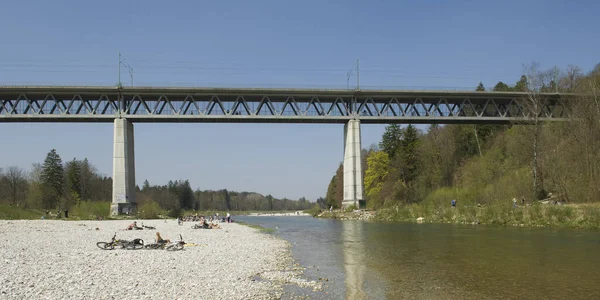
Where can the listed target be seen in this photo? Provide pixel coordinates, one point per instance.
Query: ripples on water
(438, 261)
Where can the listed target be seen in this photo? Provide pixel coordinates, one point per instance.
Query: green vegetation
(260, 228)
(314, 211)
(77, 187)
(413, 174)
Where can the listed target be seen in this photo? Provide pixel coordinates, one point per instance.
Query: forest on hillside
(55, 184)
(487, 164)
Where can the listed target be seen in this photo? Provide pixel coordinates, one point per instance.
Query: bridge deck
(168, 104)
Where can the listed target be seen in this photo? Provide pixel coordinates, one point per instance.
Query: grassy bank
(83, 211)
(536, 215)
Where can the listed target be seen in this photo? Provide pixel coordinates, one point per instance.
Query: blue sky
(400, 44)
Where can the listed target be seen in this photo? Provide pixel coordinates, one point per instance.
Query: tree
(52, 178)
(391, 142)
(410, 153)
(17, 184)
(145, 186)
(73, 180)
(522, 84)
(501, 87)
(480, 87)
(375, 176)
(533, 103)
(87, 175)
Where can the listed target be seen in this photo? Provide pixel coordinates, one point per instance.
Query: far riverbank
(583, 216)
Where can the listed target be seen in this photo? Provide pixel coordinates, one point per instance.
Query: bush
(351, 208)
(88, 210)
(314, 211)
(149, 210)
(18, 213)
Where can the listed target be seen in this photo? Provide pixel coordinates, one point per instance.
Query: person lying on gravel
(133, 226)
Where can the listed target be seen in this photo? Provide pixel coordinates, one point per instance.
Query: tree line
(178, 195)
(486, 164)
(57, 185)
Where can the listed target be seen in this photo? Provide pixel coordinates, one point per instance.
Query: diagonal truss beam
(176, 105)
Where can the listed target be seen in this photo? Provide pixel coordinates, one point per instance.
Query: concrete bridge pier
(123, 197)
(353, 179)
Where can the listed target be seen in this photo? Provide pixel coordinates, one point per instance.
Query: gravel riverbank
(45, 259)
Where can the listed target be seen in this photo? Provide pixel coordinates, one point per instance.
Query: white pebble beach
(53, 259)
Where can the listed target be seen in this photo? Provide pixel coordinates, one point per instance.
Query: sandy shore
(60, 260)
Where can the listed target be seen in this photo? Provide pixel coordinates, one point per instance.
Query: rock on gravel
(49, 259)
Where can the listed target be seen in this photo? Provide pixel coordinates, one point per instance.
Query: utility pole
(119, 82)
(357, 76)
(348, 75)
(130, 69)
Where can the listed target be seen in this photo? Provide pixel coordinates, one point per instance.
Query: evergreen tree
(480, 87)
(410, 153)
(52, 180)
(146, 186)
(391, 140)
(73, 179)
(522, 85)
(87, 175)
(501, 87)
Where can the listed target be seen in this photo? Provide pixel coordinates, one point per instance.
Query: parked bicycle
(167, 245)
(148, 227)
(124, 244)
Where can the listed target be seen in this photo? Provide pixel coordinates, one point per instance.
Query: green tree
(375, 176)
(410, 153)
(73, 179)
(52, 180)
(87, 177)
(480, 87)
(522, 84)
(391, 141)
(146, 186)
(502, 87)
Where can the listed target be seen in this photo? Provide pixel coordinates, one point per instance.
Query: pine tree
(52, 179)
(73, 178)
(87, 175)
(480, 87)
(410, 153)
(391, 140)
(146, 186)
(502, 87)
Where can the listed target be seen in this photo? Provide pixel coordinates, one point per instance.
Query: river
(367, 260)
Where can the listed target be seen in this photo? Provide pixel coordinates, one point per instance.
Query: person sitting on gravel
(159, 239)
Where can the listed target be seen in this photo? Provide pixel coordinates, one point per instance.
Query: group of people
(215, 218)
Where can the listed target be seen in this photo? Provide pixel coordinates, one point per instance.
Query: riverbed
(368, 260)
(51, 259)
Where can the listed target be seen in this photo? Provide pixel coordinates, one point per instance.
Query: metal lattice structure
(142, 104)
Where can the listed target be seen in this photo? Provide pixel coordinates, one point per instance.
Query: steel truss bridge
(157, 104)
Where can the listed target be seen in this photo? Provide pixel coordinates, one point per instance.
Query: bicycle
(176, 246)
(125, 244)
(169, 246)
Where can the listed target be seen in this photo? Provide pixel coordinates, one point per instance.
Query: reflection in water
(354, 259)
(438, 261)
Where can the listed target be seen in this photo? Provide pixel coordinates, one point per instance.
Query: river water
(367, 260)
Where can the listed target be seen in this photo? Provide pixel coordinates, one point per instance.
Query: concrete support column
(123, 179)
(353, 179)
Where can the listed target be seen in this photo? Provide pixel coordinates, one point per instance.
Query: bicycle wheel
(175, 247)
(105, 245)
(135, 245)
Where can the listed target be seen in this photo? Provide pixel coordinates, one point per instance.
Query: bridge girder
(104, 104)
